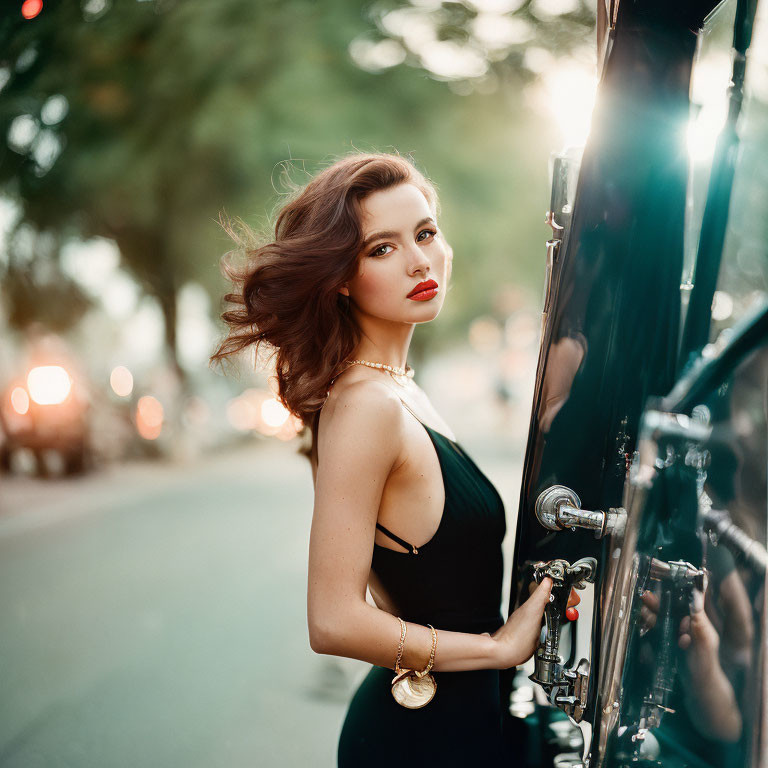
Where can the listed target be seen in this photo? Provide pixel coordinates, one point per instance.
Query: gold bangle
(431, 661)
(403, 630)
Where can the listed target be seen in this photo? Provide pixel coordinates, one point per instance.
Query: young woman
(401, 511)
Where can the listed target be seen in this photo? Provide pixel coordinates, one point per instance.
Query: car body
(644, 484)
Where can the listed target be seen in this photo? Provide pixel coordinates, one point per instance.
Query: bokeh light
(49, 384)
(149, 417)
(31, 8)
(571, 89)
(20, 400)
(121, 381)
(273, 413)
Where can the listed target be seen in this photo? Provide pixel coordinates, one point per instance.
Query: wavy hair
(286, 295)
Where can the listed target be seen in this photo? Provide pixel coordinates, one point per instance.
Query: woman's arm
(359, 447)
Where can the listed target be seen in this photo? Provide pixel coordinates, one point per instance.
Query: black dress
(454, 583)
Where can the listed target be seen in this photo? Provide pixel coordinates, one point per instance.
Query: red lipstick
(423, 291)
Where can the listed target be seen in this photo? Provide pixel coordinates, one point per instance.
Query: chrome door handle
(558, 508)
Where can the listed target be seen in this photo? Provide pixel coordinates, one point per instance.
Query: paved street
(155, 615)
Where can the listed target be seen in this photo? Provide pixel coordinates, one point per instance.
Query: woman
(401, 511)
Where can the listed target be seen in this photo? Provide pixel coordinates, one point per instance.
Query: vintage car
(644, 484)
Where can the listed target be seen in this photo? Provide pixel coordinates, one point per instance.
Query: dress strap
(400, 541)
(408, 408)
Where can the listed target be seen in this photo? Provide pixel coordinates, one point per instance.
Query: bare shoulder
(361, 417)
(361, 402)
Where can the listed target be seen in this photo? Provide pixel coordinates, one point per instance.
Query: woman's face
(403, 248)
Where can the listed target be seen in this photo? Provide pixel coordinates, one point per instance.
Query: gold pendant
(412, 691)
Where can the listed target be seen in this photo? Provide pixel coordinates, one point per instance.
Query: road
(155, 615)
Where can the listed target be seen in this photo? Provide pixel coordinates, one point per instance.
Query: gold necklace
(406, 372)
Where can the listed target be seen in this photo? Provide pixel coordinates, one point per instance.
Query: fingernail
(698, 601)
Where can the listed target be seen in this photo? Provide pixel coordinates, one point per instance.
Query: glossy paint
(609, 361)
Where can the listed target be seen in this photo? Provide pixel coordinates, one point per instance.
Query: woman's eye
(377, 251)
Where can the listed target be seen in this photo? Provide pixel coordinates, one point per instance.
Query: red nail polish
(571, 614)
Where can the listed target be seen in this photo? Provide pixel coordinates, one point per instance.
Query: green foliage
(178, 110)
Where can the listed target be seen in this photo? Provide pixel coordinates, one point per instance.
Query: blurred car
(47, 411)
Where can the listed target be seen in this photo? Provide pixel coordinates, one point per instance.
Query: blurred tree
(467, 40)
(139, 121)
(34, 287)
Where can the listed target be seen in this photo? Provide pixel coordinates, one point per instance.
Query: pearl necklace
(407, 371)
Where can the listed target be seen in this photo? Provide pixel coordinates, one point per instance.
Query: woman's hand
(518, 638)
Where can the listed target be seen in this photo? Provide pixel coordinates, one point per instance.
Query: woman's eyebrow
(391, 233)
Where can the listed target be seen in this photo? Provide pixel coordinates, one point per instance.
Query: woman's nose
(418, 260)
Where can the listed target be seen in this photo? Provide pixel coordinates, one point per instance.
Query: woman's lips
(423, 291)
(424, 295)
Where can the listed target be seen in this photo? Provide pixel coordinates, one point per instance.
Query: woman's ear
(344, 291)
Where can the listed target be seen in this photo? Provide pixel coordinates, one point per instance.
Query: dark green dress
(454, 583)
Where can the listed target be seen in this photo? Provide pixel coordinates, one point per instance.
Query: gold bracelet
(431, 661)
(403, 630)
(410, 688)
